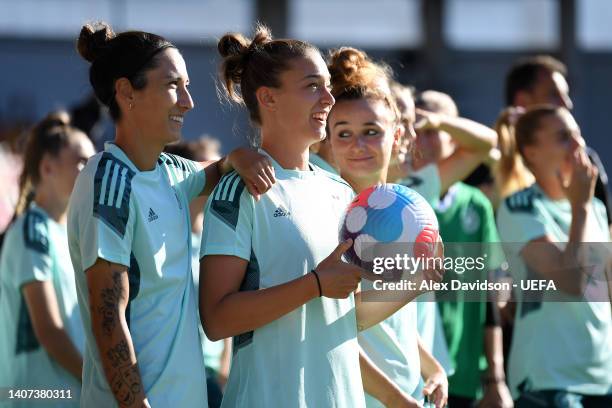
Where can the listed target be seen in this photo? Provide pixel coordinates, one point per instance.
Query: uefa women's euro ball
(389, 214)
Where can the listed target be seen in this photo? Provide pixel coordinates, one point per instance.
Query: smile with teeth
(176, 118)
(320, 116)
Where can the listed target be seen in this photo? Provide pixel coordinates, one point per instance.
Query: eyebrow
(176, 77)
(344, 122)
(315, 76)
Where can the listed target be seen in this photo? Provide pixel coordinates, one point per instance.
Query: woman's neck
(56, 207)
(360, 184)
(289, 153)
(142, 152)
(550, 185)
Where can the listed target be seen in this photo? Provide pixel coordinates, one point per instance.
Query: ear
(398, 135)
(124, 94)
(266, 98)
(45, 168)
(529, 154)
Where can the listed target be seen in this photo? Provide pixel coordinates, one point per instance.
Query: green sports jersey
(320, 162)
(556, 345)
(36, 249)
(465, 215)
(140, 219)
(310, 356)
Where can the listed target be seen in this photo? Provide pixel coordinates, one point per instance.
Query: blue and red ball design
(389, 214)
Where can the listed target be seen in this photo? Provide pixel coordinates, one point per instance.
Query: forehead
(560, 121)
(170, 62)
(548, 79)
(310, 65)
(359, 111)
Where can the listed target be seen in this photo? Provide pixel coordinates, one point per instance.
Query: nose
(185, 101)
(359, 142)
(565, 101)
(327, 98)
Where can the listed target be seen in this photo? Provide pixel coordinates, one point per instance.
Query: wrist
(491, 380)
(318, 282)
(312, 289)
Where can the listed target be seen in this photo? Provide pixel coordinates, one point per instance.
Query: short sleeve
(520, 219)
(228, 219)
(102, 213)
(187, 176)
(34, 262)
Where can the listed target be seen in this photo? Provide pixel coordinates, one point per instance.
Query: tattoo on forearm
(126, 383)
(119, 355)
(110, 298)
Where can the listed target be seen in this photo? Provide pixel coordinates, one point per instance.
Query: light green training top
(556, 345)
(36, 250)
(309, 357)
(141, 219)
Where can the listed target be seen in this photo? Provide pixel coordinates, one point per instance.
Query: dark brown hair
(250, 64)
(524, 74)
(112, 56)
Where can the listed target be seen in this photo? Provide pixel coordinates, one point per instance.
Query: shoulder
(334, 179)
(112, 190)
(228, 198)
(523, 201)
(35, 231)
(177, 162)
(475, 196)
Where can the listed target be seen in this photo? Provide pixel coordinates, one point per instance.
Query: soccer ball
(389, 214)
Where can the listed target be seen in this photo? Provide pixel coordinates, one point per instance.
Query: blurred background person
(42, 340)
(467, 224)
(560, 354)
(541, 79)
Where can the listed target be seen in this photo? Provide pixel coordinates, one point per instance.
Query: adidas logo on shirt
(281, 212)
(152, 215)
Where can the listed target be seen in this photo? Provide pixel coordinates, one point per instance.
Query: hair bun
(352, 68)
(233, 45)
(346, 61)
(93, 40)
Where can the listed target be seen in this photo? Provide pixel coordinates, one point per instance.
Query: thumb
(429, 388)
(340, 249)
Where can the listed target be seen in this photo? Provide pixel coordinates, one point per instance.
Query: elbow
(214, 326)
(213, 330)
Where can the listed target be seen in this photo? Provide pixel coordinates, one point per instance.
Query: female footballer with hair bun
(271, 272)
(129, 227)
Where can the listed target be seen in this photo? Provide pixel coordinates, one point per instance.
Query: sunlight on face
(159, 107)
(303, 101)
(362, 134)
